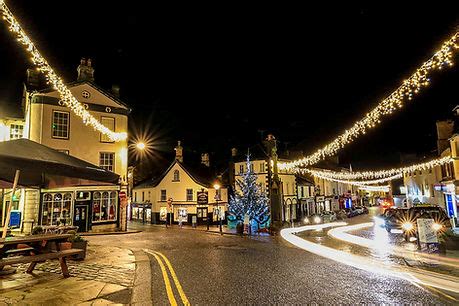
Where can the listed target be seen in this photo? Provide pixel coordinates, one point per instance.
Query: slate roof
(11, 110)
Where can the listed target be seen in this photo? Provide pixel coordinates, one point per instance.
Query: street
(214, 269)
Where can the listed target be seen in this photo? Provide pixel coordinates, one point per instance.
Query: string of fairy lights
(411, 86)
(52, 78)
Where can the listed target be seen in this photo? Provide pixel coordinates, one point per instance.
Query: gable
(184, 177)
(88, 93)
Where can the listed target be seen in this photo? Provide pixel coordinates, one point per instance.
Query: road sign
(122, 194)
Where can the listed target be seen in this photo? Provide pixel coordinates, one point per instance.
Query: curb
(110, 233)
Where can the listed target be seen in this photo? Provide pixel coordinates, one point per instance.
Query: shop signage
(439, 187)
(83, 196)
(203, 197)
(169, 203)
(15, 218)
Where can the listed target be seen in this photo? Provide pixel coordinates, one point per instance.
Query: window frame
(54, 111)
(176, 176)
(21, 130)
(101, 138)
(113, 159)
(163, 199)
(189, 194)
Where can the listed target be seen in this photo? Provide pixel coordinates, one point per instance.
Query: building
(49, 122)
(182, 192)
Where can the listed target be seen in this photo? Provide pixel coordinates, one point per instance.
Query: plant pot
(82, 245)
(65, 246)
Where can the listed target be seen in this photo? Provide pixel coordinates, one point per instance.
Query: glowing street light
(140, 146)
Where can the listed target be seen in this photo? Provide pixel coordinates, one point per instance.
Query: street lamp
(217, 198)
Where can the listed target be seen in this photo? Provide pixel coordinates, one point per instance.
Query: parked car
(328, 216)
(358, 209)
(350, 212)
(393, 218)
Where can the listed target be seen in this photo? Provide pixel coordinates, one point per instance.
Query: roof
(92, 84)
(200, 174)
(35, 160)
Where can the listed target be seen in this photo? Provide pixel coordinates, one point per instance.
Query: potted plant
(77, 242)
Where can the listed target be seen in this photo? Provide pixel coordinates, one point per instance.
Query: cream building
(186, 192)
(48, 122)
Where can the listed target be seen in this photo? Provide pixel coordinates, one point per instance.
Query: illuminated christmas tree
(249, 198)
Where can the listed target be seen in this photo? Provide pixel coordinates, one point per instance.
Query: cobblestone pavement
(105, 277)
(98, 272)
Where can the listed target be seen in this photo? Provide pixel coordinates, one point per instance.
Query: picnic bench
(34, 249)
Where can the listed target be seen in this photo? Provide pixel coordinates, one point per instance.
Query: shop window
(16, 131)
(176, 176)
(104, 206)
(189, 194)
(107, 161)
(56, 209)
(241, 169)
(60, 125)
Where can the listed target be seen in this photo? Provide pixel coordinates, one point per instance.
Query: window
(60, 125)
(104, 206)
(143, 196)
(135, 196)
(241, 169)
(86, 94)
(302, 191)
(189, 194)
(56, 209)
(107, 161)
(108, 122)
(262, 167)
(16, 131)
(163, 195)
(176, 176)
(218, 194)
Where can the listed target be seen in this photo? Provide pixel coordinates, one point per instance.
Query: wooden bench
(34, 249)
(34, 259)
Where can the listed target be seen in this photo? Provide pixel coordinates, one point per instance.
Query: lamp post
(217, 198)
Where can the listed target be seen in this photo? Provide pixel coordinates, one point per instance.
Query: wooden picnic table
(34, 249)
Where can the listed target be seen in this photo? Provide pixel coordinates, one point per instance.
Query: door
(202, 215)
(80, 217)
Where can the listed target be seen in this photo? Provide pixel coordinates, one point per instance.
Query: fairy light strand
(411, 86)
(380, 174)
(52, 78)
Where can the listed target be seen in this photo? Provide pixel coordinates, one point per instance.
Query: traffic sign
(122, 194)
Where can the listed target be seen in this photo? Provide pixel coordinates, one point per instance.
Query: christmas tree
(249, 198)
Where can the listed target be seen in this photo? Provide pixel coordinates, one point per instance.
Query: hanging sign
(163, 214)
(202, 197)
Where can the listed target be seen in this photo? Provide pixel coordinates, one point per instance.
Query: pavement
(105, 277)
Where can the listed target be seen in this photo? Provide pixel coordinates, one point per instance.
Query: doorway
(202, 214)
(81, 216)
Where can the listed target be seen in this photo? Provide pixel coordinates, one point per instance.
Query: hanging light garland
(385, 188)
(359, 183)
(377, 174)
(42, 65)
(411, 86)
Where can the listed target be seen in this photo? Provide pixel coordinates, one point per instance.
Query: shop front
(451, 194)
(91, 209)
(141, 212)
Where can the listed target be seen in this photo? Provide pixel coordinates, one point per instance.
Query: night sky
(219, 76)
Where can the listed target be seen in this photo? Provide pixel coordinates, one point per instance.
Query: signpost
(427, 236)
(123, 199)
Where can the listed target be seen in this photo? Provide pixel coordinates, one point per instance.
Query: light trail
(341, 233)
(415, 276)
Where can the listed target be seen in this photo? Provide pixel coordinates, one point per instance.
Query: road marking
(170, 293)
(167, 283)
(176, 281)
(442, 293)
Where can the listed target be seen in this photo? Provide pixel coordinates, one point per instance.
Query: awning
(36, 161)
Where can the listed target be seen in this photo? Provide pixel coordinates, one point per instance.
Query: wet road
(214, 269)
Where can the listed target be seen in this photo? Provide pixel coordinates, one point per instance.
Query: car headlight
(316, 219)
(306, 220)
(407, 226)
(436, 226)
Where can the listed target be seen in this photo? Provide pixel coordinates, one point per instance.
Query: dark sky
(214, 76)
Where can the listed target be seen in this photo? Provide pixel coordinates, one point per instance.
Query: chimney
(116, 90)
(445, 130)
(233, 152)
(179, 152)
(205, 159)
(33, 78)
(85, 70)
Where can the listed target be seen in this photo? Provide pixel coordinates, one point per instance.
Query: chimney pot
(205, 159)
(179, 152)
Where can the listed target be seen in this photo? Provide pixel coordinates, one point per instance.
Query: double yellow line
(170, 293)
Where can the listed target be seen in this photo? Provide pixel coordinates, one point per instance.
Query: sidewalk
(106, 276)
